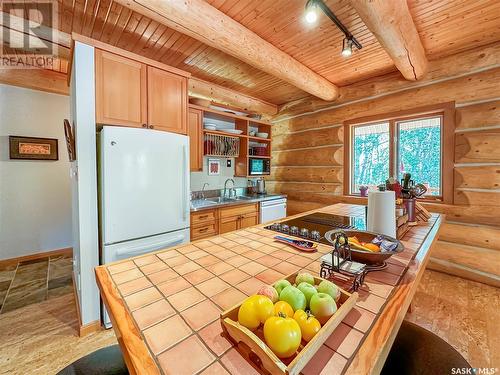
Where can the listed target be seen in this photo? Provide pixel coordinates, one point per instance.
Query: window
(420, 144)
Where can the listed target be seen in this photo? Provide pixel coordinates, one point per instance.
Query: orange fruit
(372, 247)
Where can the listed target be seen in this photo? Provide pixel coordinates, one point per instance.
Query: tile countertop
(165, 306)
(252, 199)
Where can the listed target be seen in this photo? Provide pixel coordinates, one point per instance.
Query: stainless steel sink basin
(241, 198)
(217, 200)
(198, 203)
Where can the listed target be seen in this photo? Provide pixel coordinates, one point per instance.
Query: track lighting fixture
(311, 16)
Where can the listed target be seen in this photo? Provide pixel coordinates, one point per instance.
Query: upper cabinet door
(167, 101)
(195, 133)
(120, 90)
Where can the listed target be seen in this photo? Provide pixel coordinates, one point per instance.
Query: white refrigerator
(144, 192)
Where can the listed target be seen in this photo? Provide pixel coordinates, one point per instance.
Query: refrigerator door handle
(184, 182)
(139, 249)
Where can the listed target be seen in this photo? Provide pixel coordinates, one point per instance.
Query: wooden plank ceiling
(445, 27)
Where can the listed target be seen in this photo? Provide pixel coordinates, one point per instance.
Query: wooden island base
(165, 306)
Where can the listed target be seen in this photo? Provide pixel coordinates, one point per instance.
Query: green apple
(329, 288)
(304, 277)
(294, 297)
(322, 306)
(280, 285)
(308, 290)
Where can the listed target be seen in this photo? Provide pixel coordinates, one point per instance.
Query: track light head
(311, 11)
(347, 47)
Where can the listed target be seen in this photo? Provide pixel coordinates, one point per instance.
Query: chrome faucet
(203, 190)
(230, 190)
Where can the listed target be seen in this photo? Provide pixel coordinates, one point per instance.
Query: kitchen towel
(381, 216)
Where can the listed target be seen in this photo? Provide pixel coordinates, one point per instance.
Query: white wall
(216, 182)
(35, 196)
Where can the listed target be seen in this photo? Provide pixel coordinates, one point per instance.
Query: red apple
(269, 291)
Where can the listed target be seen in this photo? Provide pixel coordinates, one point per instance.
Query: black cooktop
(314, 226)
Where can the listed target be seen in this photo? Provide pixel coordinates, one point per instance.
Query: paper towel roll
(381, 217)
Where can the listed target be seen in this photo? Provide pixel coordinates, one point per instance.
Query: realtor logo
(28, 34)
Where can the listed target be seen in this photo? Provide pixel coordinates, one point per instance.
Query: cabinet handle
(144, 126)
(203, 230)
(151, 127)
(202, 217)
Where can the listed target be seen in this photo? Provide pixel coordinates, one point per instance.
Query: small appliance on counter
(257, 166)
(261, 186)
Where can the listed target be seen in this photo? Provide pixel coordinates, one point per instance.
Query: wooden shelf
(258, 157)
(257, 139)
(217, 132)
(228, 115)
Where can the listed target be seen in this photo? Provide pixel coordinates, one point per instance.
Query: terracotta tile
(219, 268)
(162, 276)
(187, 249)
(197, 254)
(318, 362)
(198, 316)
(383, 277)
(186, 268)
(344, 340)
(335, 365)
(142, 298)
(282, 254)
(214, 249)
(226, 254)
(375, 287)
(134, 286)
(359, 318)
(234, 276)
(147, 259)
(213, 337)
(299, 260)
(250, 286)
(176, 261)
(236, 364)
(123, 277)
(255, 244)
(228, 298)
(152, 314)
(207, 260)
(237, 260)
(269, 276)
(188, 357)
(120, 267)
(166, 333)
(370, 302)
(167, 254)
(214, 369)
(188, 297)
(286, 268)
(268, 260)
(212, 286)
(173, 286)
(253, 254)
(252, 268)
(153, 267)
(198, 276)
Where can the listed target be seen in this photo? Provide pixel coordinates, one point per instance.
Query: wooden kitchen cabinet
(120, 90)
(203, 224)
(249, 220)
(238, 217)
(195, 133)
(167, 100)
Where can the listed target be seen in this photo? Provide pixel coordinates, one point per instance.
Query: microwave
(258, 166)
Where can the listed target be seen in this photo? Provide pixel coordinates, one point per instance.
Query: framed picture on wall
(213, 167)
(31, 148)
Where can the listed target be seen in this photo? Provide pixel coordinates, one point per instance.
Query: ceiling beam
(391, 23)
(201, 21)
(221, 95)
(36, 79)
(468, 62)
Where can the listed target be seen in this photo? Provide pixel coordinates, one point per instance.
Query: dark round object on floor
(417, 351)
(105, 361)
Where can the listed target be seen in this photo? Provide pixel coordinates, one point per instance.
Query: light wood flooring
(42, 338)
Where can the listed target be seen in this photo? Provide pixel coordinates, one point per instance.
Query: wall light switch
(228, 163)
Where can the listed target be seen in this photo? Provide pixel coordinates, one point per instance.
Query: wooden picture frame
(213, 167)
(32, 148)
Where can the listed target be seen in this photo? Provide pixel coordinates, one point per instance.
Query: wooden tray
(252, 347)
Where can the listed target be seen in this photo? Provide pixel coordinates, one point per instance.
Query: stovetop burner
(314, 226)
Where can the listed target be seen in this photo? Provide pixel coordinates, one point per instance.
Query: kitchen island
(165, 306)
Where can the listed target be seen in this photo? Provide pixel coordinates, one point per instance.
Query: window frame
(447, 113)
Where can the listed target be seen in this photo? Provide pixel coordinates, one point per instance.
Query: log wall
(308, 166)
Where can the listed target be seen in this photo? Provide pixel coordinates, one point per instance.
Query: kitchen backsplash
(215, 182)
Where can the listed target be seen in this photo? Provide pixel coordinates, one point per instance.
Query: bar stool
(105, 361)
(417, 351)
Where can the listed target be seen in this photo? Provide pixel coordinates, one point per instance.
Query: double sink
(207, 202)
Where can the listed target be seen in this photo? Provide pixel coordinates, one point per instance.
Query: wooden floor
(42, 338)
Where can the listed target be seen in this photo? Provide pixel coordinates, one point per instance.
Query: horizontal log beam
(478, 115)
(310, 138)
(471, 235)
(307, 174)
(483, 177)
(36, 79)
(464, 272)
(450, 67)
(201, 21)
(478, 147)
(305, 187)
(393, 26)
(321, 156)
(221, 95)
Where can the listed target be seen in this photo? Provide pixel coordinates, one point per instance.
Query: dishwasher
(273, 209)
